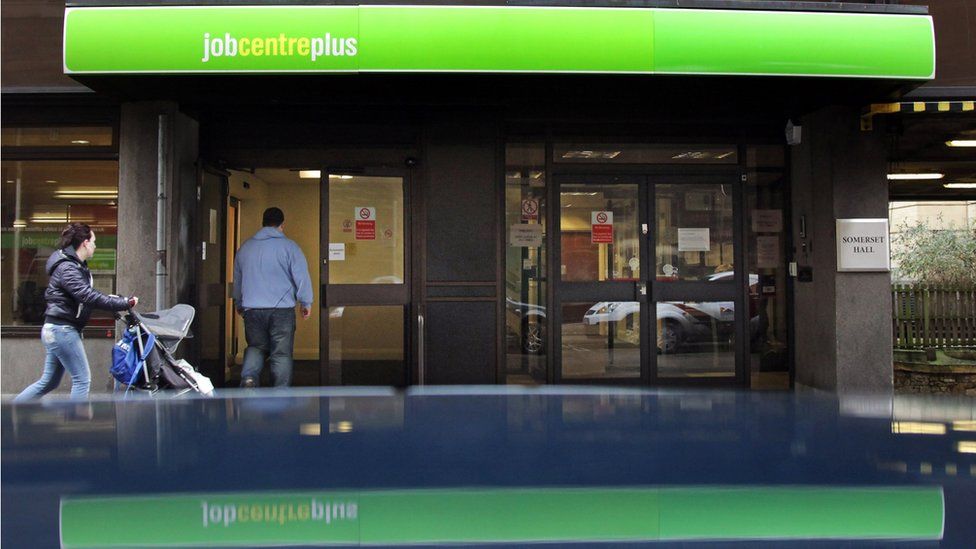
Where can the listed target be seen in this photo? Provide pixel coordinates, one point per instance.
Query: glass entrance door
(365, 279)
(646, 285)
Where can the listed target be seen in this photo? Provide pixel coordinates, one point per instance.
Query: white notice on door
(337, 251)
(767, 252)
(525, 235)
(693, 239)
(767, 221)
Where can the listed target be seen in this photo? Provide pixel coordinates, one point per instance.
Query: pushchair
(142, 360)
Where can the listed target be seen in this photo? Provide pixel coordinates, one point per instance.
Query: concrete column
(843, 320)
(139, 161)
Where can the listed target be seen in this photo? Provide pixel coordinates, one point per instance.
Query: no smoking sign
(365, 223)
(530, 209)
(601, 227)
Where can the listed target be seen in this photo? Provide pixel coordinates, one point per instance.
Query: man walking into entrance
(270, 276)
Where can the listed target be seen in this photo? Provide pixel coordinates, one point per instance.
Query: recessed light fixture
(50, 180)
(310, 174)
(20, 224)
(961, 143)
(336, 176)
(591, 155)
(914, 176)
(80, 142)
(960, 185)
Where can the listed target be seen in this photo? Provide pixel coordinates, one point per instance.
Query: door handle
(641, 288)
(421, 374)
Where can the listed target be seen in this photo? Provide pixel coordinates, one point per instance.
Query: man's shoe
(249, 383)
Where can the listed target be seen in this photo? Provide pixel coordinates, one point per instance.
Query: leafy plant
(943, 257)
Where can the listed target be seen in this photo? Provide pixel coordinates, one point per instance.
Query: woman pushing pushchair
(71, 298)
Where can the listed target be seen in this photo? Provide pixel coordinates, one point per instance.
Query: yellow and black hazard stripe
(914, 107)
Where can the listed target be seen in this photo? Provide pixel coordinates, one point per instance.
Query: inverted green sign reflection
(283, 39)
(517, 515)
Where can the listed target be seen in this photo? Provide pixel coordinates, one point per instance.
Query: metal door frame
(647, 180)
(331, 295)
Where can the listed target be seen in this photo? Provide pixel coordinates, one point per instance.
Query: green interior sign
(514, 515)
(483, 39)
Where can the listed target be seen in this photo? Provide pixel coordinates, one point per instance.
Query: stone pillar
(138, 172)
(843, 340)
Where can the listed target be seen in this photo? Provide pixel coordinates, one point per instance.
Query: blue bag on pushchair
(127, 362)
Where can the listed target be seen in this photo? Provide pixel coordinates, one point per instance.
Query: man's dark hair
(273, 217)
(73, 235)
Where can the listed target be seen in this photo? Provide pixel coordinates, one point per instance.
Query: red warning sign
(530, 209)
(601, 227)
(365, 223)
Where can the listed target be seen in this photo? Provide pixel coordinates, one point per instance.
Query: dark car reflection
(444, 465)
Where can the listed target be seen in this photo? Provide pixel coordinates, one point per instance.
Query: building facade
(486, 194)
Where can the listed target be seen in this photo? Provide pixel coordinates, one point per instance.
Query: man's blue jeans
(64, 352)
(270, 334)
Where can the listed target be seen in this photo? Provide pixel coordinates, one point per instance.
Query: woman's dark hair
(73, 235)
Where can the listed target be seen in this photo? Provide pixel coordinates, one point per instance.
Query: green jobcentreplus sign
(483, 39)
(516, 515)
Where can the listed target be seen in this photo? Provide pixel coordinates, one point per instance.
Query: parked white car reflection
(682, 322)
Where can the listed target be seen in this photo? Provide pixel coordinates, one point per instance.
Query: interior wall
(300, 203)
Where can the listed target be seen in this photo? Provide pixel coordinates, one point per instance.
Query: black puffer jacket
(70, 296)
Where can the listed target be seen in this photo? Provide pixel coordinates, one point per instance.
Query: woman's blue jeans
(64, 352)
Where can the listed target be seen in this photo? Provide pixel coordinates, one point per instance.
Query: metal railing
(932, 316)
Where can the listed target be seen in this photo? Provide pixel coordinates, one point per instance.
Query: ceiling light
(914, 176)
(80, 142)
(49, 219)
(343, 177)
(961, 143)
(50, 180)
(310, 174)
(20, 224)
(960, 185)
(591, 155)
(966, 447)
(917, 428)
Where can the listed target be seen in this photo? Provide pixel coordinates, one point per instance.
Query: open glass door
(365, 280)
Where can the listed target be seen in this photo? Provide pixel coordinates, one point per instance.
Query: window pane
(67, 136)
(766, 252)
(620, 153)
(601, 340)
(365, 229)
(694, 232)
(39, 199)
(525, 263)
(366, 345)
(598, 233)
(695, 339)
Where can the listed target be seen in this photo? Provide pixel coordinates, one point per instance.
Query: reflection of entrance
(654, 298)
(366, 279)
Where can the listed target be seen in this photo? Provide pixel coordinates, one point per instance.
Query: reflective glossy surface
(373, 444)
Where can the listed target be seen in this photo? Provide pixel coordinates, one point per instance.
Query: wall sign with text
(489, 39)
(862, 245)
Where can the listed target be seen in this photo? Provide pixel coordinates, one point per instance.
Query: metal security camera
(793, 133)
